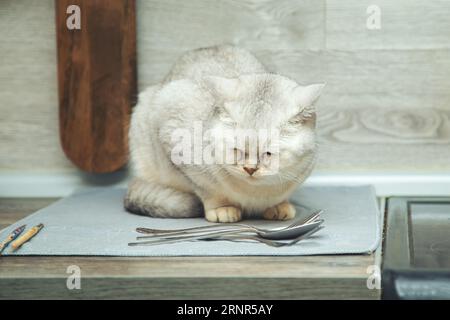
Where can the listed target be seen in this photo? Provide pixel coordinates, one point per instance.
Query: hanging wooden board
(97, 80)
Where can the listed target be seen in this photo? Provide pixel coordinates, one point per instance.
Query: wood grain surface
(97, 82)
(405, 24)
(385, 108)
(268, 277)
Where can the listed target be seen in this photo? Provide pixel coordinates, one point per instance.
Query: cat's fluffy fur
(223, 87)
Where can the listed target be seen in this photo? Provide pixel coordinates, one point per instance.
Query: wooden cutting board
(97, 80)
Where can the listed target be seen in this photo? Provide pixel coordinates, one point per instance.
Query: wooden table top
(264, 277)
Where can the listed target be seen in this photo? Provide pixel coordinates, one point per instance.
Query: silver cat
(221, 87)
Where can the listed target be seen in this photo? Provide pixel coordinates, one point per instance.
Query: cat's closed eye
(265, 157)
(302, 117)
(296, 120)
(238, 155)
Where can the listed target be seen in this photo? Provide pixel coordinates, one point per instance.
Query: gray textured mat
(93, 222)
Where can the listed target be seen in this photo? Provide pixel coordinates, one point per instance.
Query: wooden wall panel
(255, 24)
(368, 78)
(386, 106)
(29, 138)
(384, 140)
(405, 24)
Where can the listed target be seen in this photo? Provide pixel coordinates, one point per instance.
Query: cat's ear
(307, 95)
(224, 87)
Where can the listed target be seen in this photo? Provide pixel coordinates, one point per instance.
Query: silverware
(273, 234)
(293, 231)
(308, 219)
(274, 243)
(235, 237)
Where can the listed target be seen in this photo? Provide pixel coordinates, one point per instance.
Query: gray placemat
(93, 222)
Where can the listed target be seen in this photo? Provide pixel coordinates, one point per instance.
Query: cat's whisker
(292, 177)
(208, 169)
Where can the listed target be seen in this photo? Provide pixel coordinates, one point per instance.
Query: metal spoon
(235, 237)
(315, 215)
(283, 234)
(274, 233)
(273, 243)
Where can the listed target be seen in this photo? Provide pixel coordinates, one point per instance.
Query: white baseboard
(63, 184)
(391, 184)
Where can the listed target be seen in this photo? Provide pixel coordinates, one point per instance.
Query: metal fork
(191, 230)
(273, 234)
(234, 237)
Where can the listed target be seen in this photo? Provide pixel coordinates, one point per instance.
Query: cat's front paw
(282, 211)
(224, 214)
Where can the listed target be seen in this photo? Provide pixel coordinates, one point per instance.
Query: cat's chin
(244, 177)
(253, 180)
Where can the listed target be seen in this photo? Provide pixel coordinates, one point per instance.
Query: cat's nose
(250, 171)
